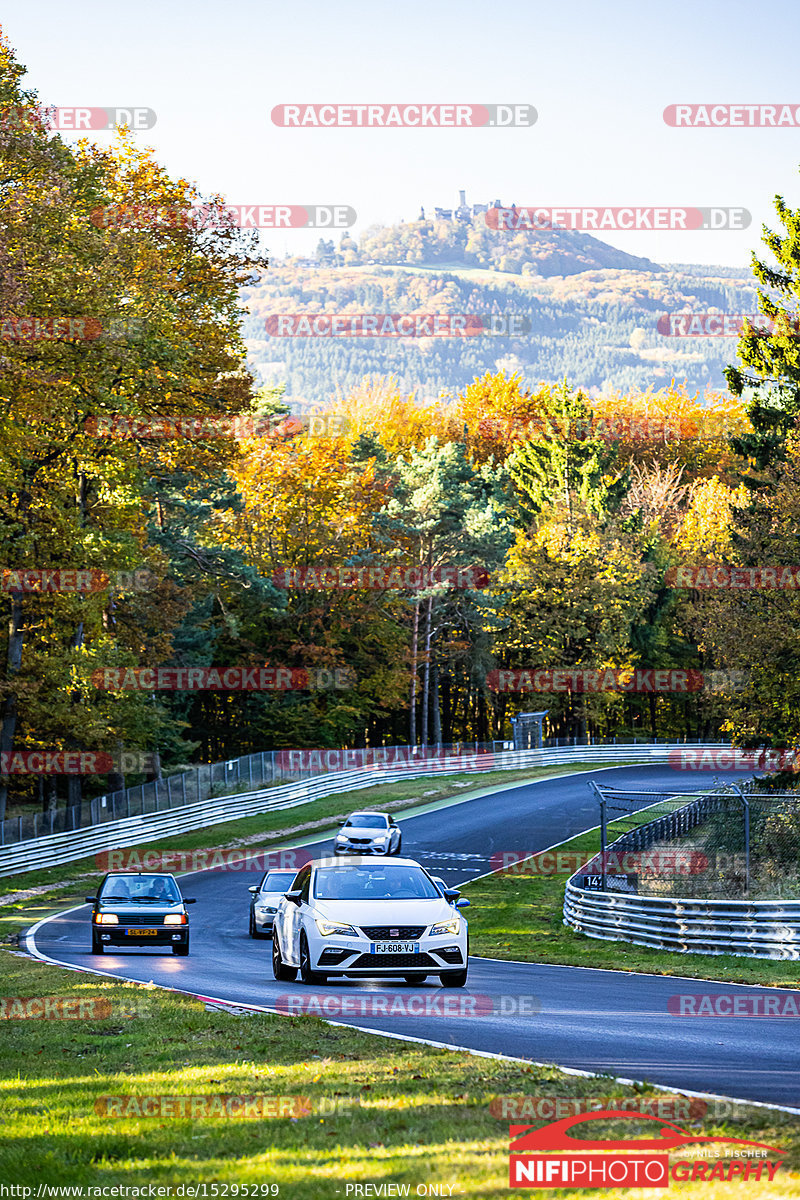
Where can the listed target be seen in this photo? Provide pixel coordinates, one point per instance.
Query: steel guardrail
(756, 928)
(59, 848)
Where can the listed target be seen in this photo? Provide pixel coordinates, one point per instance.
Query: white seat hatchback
(362, 917)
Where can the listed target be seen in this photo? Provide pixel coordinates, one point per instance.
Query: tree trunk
(447, 706)
(426, 688)
(412, 716)
(8, 728)
(437, 716)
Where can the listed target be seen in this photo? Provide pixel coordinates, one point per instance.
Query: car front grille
(392, 960)
(139, 920)
(379, 933)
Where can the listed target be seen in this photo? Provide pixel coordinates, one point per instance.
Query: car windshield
(278, 881)
(382, 883)
(141, 889)
(366, 821)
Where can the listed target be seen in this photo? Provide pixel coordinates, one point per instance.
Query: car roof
(378, 863)
(367, 812)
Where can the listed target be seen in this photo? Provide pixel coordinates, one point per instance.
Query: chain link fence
(253, 771)
(245, 774)
(732, 842)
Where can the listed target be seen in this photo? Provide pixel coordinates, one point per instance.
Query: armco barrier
(60, 848)
(758, 928)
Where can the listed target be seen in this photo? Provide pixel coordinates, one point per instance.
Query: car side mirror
(192, 901)
(451, 894)
(294, 896)
(253, 889)
(463, 902)
(90, 899)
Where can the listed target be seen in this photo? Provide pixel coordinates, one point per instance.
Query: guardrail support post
(746, 806)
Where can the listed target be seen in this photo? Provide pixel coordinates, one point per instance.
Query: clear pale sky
(600, 76)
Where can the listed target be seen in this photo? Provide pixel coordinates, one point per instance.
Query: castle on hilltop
(463, 213)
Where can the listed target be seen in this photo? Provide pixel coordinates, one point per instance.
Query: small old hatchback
(139, 910)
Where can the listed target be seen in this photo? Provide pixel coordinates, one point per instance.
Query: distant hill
(590, 311)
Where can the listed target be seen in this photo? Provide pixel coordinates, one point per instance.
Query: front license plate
(142, 932)
(394, 948)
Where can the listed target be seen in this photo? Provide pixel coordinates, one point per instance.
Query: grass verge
(381, 1111)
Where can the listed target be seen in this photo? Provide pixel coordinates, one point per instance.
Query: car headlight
(106, 919)
(326, 928)
(266, 908)
(176, 919)
(452, 926)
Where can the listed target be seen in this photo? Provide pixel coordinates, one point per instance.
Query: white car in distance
(368, 833)
(359, 917)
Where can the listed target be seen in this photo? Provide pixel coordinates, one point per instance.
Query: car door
(294, 914)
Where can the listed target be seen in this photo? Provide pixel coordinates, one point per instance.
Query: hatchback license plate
(394, 948)
(142, 932)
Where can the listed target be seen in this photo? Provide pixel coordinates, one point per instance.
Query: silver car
(264, 899)
(368, 833)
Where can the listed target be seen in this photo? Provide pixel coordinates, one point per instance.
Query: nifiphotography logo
(637, 1162)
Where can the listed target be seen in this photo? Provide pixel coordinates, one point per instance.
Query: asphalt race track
(600, 1021)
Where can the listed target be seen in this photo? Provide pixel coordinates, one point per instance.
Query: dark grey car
(139, 910)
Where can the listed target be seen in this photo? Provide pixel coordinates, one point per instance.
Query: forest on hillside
(597, 327)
